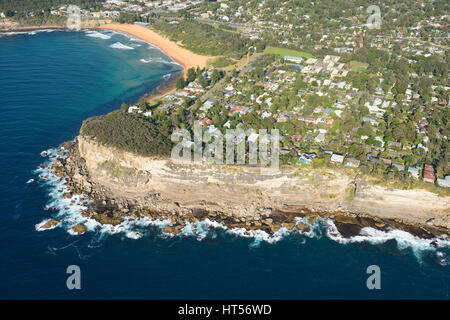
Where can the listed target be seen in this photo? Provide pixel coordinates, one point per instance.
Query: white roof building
(337, 158)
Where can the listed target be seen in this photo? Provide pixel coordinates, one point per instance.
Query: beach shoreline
(182, 56)
(167, 85)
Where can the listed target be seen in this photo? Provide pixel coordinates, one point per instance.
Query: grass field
(287, 52)
(218, 27)
(358, 66)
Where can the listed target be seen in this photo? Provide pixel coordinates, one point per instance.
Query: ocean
(50, 81)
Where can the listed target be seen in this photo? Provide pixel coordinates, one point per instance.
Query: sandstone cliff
(241, 194)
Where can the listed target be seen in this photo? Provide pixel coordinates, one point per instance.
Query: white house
(337, 158)
(444, 182)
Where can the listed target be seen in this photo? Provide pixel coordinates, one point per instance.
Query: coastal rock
(275, 227)
(50, 224)
(67, 195)
(67, 145)
(347, 226)
(173, 229)
(303, 227)
(79, 228)
(289, 225)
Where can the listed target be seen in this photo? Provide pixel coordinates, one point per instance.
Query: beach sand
(181, 55)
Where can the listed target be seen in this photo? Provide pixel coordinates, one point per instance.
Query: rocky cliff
(122, 183)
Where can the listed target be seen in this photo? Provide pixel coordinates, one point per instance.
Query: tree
(181, 83)
(215, 76)
(191, 75)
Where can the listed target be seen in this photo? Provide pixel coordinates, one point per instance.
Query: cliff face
(94, 153)
(122, 184)
(241, 191)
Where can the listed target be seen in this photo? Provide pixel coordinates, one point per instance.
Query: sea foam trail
(121, 46)
(30, 33)
(68, 212)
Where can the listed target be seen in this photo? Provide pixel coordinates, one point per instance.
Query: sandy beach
(181, 55)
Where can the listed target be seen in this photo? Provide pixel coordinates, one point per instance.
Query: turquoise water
(49, 83)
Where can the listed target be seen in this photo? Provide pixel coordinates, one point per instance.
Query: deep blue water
(49, 83)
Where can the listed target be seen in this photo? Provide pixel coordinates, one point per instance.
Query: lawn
(358, 66)
(287, 52)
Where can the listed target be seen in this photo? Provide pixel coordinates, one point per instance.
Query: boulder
(303, 227)
(289, 225)
(275, 227)
(79, 228)
(50, 224)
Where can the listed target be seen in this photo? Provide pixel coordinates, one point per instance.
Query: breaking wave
(121, 46)
(146, 60)
(68, 213)
(96, 34)
(31, 33)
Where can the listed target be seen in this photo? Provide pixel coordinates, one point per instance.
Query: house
(428, 173)
(414, 171)
(207, 105)
(399, 166)
(337, 158)
(205, 121)
(320, 138)
(307, 157)
(444, 182)
(352, 162)
(133, 109)
(293, 59)
(235, 110)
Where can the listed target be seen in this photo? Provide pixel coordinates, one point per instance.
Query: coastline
(30, 29)
(182, 56)
(189, 194)
(421, 223)
(167, 86)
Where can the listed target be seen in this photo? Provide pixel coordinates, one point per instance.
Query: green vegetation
(287, 52)
(357, 66)
(205, 39)
(130, 132)
(37, 12)
(221, 62)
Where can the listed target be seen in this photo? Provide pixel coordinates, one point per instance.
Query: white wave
(31, 33)
(121, 46)
(68, 212)
(134, 235)
(146, 60)
(403, 239)
(96, 34)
